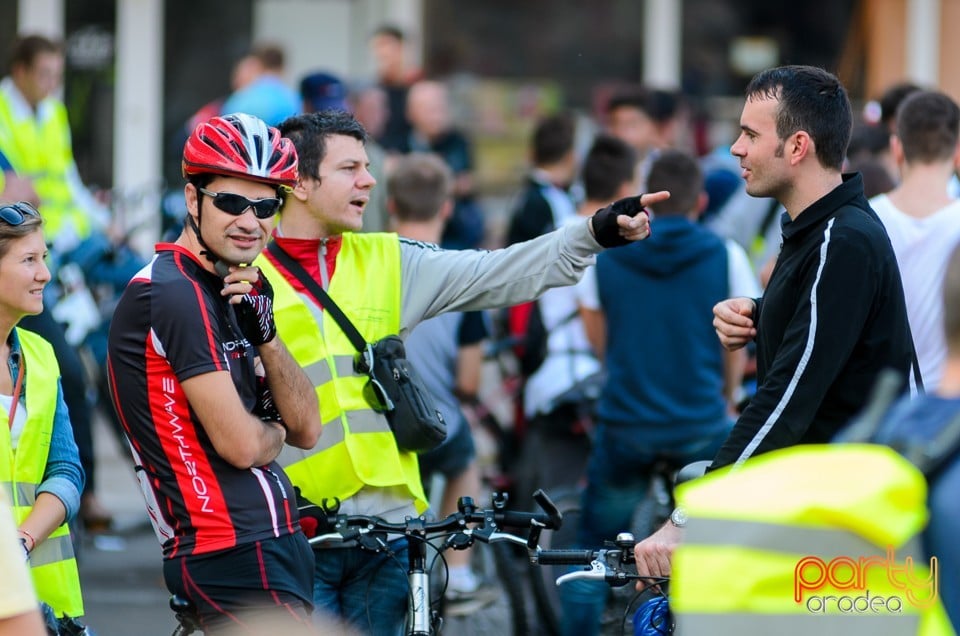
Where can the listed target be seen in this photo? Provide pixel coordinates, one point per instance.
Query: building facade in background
(137, 69)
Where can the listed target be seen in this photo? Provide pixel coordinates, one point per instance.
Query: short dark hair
(553, 138)
(26, 48)
(270, 55)
(680, 174)
(610, 163)
(391, 31)
(867, 140)
(891, 99)
(309, 133)
(928, 126)
(634, 97)
(658, 104)
(813, 100)
(418, 185)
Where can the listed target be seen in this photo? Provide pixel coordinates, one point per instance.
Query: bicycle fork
(421, 619)
(418, 612)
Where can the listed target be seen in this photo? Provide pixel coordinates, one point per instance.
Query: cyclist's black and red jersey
(172, 324)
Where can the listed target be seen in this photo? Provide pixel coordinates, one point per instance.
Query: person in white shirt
(921, 218)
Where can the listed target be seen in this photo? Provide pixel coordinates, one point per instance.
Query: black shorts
(451, 458)
(270, 580)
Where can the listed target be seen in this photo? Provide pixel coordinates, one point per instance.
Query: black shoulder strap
(917, 378)
(929, 456)
(295, 268)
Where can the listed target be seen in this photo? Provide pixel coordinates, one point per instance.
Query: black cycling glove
(255, 313)
(266, 408)
(605, 228)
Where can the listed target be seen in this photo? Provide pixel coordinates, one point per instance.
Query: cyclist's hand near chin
(252, 295)
(654, 553)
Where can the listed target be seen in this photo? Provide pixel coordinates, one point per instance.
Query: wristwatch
(678, 517)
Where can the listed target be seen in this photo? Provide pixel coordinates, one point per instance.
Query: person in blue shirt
(671, 388)
(919, 421)
(264, 94)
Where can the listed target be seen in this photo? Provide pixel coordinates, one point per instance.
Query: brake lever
(506, 536)
(600, 572)
(597, 572)
(341, 537)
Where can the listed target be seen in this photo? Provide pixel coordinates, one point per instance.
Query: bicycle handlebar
(609, 564)
(332, 526)
(566, 557)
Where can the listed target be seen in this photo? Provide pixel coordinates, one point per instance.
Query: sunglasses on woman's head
(16, 213)
(237, 204)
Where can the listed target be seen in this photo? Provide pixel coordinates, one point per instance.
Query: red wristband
(33, 542)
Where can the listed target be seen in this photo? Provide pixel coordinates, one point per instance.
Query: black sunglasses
(237, 204)
(16, 213)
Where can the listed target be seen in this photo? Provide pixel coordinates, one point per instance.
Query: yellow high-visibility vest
(356, 447)
(40, 149)
(807, 540)
(52, 562)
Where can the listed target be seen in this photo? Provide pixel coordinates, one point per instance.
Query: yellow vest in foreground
(52, 563)
(808, 540)
(356, 447)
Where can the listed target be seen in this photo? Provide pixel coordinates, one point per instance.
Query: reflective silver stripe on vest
(25, 492)
(364, 421)
(360, 422)
(344, 366)
(319, 372)
(797, 624)
(825, 543)
(53, 550)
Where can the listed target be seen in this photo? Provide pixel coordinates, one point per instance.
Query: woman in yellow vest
(40, 468)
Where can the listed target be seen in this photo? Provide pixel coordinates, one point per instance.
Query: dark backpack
(531, 335)
(931, 455)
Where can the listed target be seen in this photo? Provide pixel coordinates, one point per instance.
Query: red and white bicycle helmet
(240, 145)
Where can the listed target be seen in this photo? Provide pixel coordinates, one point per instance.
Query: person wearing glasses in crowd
(208, 395)
(40, 470)
(386, 285)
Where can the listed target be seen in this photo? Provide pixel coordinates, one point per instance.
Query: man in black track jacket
(833, 314)
(831, 317)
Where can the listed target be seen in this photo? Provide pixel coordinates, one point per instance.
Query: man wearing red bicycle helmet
(207, 394)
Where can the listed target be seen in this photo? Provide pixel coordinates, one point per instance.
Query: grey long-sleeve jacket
(436, 280)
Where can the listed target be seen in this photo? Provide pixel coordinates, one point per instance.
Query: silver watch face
(678, 517)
